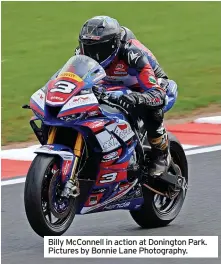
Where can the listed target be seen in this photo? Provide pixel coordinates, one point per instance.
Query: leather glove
(128, 102)
(152, 99)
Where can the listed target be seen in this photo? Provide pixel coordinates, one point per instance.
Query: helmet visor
(99, 51)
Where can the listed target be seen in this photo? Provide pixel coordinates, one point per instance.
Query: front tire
(150, 215)
(39, 185)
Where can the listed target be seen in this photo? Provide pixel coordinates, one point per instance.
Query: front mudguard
(66, 155)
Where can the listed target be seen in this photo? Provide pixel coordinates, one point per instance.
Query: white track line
(187, 152)
(24, 154)
(214, 120)
(13, 181)
(27, 154)
(202, 150)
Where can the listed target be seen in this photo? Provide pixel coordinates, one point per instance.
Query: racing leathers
(137, 68)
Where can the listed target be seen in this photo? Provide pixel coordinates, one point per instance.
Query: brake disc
(56, 201)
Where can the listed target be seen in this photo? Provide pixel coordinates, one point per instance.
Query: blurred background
(39, 37)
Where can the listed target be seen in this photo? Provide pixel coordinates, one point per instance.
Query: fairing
(76, 78)
(108, 134)
(80, 72)
(37, 103)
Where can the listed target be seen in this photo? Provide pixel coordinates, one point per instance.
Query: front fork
(72, 185)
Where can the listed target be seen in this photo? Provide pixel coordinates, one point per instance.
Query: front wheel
(157, 210)
(48, 213)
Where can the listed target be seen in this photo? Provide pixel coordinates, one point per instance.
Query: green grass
(38, 38)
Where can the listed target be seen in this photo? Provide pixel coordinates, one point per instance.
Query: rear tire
(148, 216)
(36, 195)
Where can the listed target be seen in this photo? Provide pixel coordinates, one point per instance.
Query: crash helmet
(100, 39)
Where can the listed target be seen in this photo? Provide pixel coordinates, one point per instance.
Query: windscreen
(80, 65)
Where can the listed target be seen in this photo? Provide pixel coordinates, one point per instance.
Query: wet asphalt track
(201, 215)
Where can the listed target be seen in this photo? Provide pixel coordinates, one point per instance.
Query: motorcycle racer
(127, 61)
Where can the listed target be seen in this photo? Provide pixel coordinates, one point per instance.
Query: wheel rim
(164, 205)
(167, 208)
(56, 210)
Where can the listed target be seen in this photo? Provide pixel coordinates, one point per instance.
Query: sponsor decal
(93, 113)
(70, 75)
(78, 100)
(68, 118)
(41, 96)
(85, 210)
(99, 190)
(120, 69)
(107, 141)
(120, 72)
(119, 66)
(81, 99)
(110, 177)
(97, 124)
(48, 147)
(111, 156)
(112, 78)
(91, 37)
(110, 144)
(125, 79)
(123, 187)
(93, 200)
(57, 98)
(123, 131)
(152, 80)
(117, 206)
(66, 167)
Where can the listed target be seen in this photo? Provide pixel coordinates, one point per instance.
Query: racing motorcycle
(94, 156)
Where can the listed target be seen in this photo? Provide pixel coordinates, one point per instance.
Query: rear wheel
(159, 210)
(48, 213)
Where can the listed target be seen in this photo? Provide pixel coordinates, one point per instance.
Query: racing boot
(160, 156)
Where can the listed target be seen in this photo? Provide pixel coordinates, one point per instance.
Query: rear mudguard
(65, 153)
